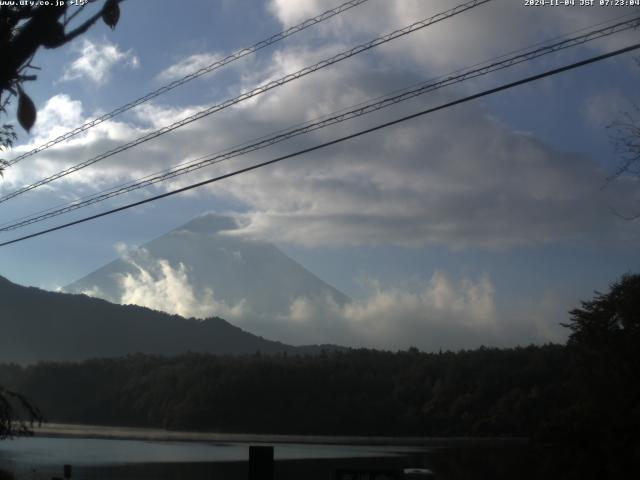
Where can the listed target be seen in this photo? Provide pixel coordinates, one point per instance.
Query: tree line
(363, 392)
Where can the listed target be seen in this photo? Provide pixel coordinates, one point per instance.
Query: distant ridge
(37, 325)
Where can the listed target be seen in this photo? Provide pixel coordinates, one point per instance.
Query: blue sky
(489, 209)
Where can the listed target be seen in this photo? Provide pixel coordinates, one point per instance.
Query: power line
(361, 109)
(237, 55)
(256, 91)
(484, 93)
(332, 119)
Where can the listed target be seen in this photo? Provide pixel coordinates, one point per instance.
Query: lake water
(120, 458)
(48, 454)
(114, 457)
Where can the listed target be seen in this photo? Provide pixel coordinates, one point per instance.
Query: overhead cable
(344, 115)
(309, 22)
(252, 93)
(484, 93)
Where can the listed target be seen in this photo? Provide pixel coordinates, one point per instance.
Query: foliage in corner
(609, 324)
(24, 28)
(17, 414)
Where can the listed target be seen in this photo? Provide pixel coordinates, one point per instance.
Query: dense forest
(481, 392)
(533, 391)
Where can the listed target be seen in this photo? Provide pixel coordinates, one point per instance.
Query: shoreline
(153, 434)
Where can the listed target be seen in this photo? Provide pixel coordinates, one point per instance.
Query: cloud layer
(438, 313)
(156, 284)
(96, 61)
(458, 178)
(187, 66)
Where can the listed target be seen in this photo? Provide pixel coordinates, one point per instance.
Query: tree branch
(71, 17)
(87, 24)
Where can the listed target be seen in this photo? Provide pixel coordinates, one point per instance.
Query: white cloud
(156, 284)
(94, 291)
(188, 65)
(58, 115)
(291, 12)
(96, 61)
(459, 41)
(438, 313)
(456, 178)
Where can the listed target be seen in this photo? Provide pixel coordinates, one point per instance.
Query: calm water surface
(105, 453)
(43, 457)
(42, 451)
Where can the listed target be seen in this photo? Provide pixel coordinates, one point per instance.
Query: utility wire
(389, 94)
(256, 91)
(192, 76)
(484, 93)
(433, 79)
(341, 116)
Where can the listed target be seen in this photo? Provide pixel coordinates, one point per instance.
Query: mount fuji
(204, 269)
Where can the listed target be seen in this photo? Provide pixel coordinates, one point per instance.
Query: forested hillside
(40, 325)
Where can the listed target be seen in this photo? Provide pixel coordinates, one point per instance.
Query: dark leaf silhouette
(111, 13)
(26, 110)
(54, 36)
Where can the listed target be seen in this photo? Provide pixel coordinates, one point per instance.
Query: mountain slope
(238, 278)
(39, 325)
